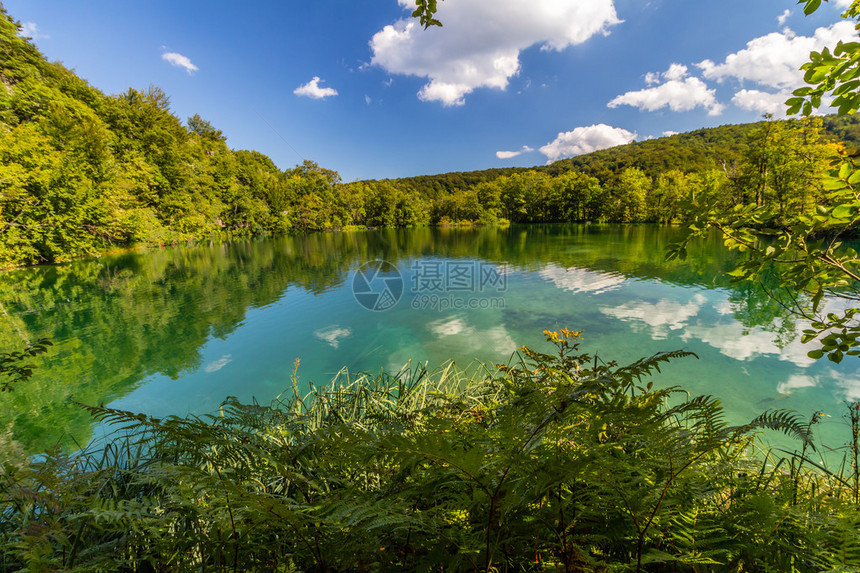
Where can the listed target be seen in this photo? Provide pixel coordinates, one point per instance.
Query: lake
(176, 330)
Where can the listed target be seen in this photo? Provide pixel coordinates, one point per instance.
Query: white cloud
(332, 335)
(313, 90)
(783, 18)
(762, 102)
(217, 365)
(741, 343)
(679, 92)
(450, 327)
(774, 60)
(510, 154)
(796, 381)
(585, 140)
(576, 280)
(676, 72)
(661, 316)
(848, 383)
(480, 43)
(454, 332)
(31, 30)
(843, 3)
(180, 61)
(669, 133)
(367, 99)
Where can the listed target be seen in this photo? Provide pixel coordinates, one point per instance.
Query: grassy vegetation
(557, 462)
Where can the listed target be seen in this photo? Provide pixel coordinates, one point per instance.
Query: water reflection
(660, 317)
(743, 343)
(176, 330)
(576, 279)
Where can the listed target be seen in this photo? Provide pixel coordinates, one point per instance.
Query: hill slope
(694, 151)
(81, 171)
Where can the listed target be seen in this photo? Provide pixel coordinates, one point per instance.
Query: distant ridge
(702, 149)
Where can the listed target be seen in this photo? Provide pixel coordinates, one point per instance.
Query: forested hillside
(83, 172)
(695, 151)
(663, 180)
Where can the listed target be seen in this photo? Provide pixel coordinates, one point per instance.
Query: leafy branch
(13, 368)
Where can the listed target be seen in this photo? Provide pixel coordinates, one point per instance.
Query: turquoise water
(174, 331)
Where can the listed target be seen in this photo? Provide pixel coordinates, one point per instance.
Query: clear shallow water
(174, 331)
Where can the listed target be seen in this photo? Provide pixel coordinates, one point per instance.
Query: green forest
(84, 173)
(559, 460)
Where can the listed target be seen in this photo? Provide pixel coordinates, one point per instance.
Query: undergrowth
(554, 462)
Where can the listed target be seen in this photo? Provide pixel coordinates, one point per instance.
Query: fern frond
(788, 422)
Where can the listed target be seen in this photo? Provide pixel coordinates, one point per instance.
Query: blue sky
(542, 78)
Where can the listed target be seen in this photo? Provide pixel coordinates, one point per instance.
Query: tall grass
(553, 462)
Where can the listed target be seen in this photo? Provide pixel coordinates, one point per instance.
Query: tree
(805, 247)
(784, 164)
(204, 129)
(669, 190)
(629, 196)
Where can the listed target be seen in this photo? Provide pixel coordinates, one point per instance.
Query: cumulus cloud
(849, 385)
(510, 154)
(31, 30)
(179, 61)
(585, 140)
(669, 133)
(480, 43)
(783, 18)
(449, 327)
(762, 102)
(313, 90)
(774, 60)
(678, 92)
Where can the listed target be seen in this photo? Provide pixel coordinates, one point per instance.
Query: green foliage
(83, 172)
(805, 255)
(13, 370)
(799, 236)
(552, 462)
(666, 180)
(830, 72)
(425, 11)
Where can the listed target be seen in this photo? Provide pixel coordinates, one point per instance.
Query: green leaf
(842, 211)
(811, 6)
